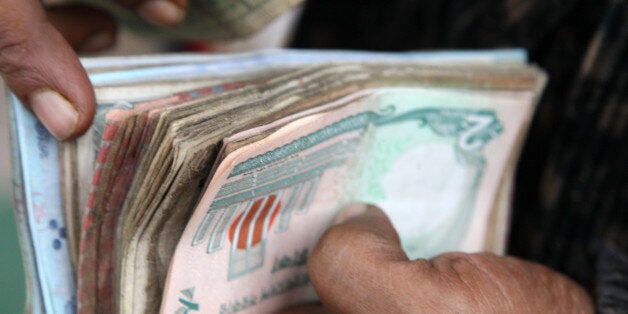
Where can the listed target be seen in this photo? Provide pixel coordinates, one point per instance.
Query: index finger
(43, 71)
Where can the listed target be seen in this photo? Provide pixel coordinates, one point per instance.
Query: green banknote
(216, 20)
(434, 159)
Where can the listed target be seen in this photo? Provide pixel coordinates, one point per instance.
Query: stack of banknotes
(206, 180)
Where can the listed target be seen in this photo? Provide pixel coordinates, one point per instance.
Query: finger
(161, 12)
(359, 266)
(487, 282)
(85, 29)
(42, 70)
(346, 266)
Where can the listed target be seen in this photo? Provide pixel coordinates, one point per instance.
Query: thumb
(346, 265)
(43, 71)
(359, 266)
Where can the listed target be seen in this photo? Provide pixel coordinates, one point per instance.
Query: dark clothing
(571, 193)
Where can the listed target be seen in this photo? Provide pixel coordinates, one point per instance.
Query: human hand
(38, 62)
(359, 266)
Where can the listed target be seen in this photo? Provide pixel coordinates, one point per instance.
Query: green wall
(12, 293)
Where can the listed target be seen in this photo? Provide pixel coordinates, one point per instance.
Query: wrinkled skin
(358, 266)
(38, 60)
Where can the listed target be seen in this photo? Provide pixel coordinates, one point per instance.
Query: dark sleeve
(612, 278)
(571, 193)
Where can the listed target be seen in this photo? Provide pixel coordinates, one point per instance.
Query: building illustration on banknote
(263, 192)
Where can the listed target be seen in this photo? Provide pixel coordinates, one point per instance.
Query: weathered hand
(38, 62)
(359, 266)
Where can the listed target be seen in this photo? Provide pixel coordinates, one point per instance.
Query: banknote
(34, 301)
(336, 80)
(109, 192)
(41, 202)
(113, 90)
(413, 152)
(231, 166)
(181, 68)
(129, 80)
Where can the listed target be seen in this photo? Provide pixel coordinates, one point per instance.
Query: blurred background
(11, 274)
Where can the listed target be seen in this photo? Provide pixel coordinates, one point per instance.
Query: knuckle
(21, 63)
(22, 25)
(338, 237)
(13, 49)
(439, 278)
(478, 262)
(336, 245)
(453, 264)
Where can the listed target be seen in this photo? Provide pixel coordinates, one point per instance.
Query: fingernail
(97, 42)
(351, 211)
(161, 12)
(55, 112)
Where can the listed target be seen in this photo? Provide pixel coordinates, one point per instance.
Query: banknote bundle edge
(178, 63)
